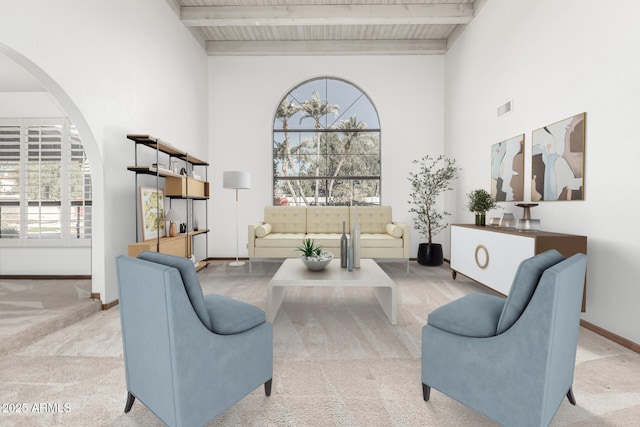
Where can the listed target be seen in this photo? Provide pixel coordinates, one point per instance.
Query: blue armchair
(511, 360)
(188, 357)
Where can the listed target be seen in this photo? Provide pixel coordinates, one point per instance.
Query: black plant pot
(430, 254)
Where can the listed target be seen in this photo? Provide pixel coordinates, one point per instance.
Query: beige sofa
(285, 227)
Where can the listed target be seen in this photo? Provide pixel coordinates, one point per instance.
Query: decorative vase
(355, 240)
(350, 256)
(430, 254)
(507, 220)
(481, 218)
(343, 247)
(173, 229)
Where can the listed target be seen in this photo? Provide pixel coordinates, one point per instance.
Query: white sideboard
(491, 255)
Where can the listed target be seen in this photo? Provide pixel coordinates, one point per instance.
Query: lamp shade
(172, 215)
(236, 180)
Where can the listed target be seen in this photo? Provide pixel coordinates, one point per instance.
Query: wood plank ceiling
(326, 27)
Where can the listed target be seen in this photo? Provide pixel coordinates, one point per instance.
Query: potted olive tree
(479, 202)
(433, 177)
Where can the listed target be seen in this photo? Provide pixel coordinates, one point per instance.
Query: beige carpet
(337, 362)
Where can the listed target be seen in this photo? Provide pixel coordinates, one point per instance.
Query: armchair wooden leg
(426, 392)
(571, 397)
(267, 387)
(130, 399)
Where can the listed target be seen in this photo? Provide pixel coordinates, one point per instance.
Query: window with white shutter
(45, 182)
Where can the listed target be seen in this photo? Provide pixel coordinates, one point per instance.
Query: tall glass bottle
(350, 255)
(355, 237)
(343, 247)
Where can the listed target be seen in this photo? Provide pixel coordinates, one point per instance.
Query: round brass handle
(486, 256)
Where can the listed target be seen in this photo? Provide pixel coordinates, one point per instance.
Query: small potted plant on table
(479, 202)
(313, 256)
(433, 178)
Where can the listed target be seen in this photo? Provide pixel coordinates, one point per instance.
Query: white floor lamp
(236, 180)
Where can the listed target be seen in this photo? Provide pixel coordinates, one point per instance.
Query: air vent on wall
(505, 108)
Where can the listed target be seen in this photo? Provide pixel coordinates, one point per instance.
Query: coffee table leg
(275, 295)
(387, 299)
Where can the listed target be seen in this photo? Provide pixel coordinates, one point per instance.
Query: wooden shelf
(166, 148)
(150, 170)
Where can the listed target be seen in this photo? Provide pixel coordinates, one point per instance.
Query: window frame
(279, 136)
(68, 145)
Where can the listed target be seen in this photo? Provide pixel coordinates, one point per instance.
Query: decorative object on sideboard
(479, 201)
(507, 170)
(355, 240)
(495, 221)
(236, 180)
(508, 220)
(526, 223)
(434, 177)
(172, 216)
(312, 256)
(557, 160)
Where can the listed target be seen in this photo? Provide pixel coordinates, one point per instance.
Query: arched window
(326, 146)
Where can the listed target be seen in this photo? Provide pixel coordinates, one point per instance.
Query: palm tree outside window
(326, 146)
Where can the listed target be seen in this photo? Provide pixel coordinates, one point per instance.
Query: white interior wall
(555, 60)
(115, 67)
(244, 93)
(28, 104)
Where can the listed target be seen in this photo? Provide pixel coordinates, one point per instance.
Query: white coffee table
(293, 272)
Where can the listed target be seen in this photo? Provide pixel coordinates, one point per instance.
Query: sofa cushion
(230, 316)
(280, 240)
(524, 284)
(286, 219)
(474, 315)
(373, 219)
(394, 230)
(327, 219)
(189, 279)
(263, 229)
(379, 240)
(326, 240)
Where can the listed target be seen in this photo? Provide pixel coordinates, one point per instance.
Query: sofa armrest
(406, 239)
(251, 241)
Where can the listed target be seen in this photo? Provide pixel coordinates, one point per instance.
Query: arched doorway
(93, 156)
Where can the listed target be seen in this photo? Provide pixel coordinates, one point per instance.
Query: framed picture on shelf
(557, 160)
(152, 211)
(507, 170)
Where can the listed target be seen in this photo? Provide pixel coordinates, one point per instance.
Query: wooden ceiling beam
(327, 47)
(410, 14)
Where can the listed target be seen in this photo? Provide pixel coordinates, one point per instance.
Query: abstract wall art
(507, 170)
(557, 160)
